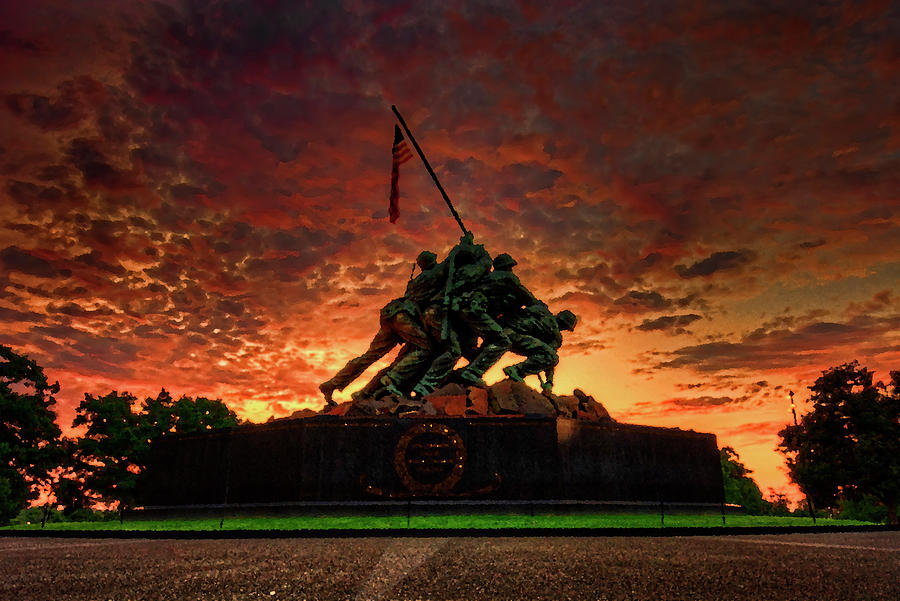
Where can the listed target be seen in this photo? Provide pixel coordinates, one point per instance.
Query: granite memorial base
(326, 460)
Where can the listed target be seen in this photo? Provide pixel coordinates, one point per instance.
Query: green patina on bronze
(468, 305)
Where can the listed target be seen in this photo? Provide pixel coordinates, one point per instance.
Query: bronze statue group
(468, 305)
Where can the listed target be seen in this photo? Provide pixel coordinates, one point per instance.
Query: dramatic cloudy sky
(194, 194)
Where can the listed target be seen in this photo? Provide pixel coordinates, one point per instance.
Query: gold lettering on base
(429, 459)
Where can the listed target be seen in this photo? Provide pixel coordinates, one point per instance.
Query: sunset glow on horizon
(194, 195)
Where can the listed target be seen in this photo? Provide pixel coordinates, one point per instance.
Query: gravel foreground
(838, 566)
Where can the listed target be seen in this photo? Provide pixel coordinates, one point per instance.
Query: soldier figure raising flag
(448, 309)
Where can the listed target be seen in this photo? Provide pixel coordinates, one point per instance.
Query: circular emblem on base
(429, 459)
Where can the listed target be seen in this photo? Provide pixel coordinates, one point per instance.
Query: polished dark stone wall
(330, 458)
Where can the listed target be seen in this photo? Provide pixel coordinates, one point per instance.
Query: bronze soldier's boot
(422, 390)
(471, 379)
(494, 346)
(513, 374)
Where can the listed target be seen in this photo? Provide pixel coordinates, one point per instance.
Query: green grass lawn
(498, 521)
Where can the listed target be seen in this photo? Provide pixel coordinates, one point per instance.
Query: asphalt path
(838, 566)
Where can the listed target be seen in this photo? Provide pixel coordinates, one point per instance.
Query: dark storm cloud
(282, 268)
(190, 296)
(642, 301)
(14, 258)
(76, 310)
(168, 271)
(884, 300)
(242, 65)
(276, 121)
(175, 217)
(596, 280)
(50, 173)
(718, 356)
(147, 331)
(29, 194)
(92, 353)
(764, 349)
(692, 405)
(15, 316)
(703, 402)
(154, 157)
(231, 307)
(646, 263)
(67, 109)
(185, 191)
(524, 178)
(601, 223)
(674, 324)
(691, 386)
(717, 261)
(93, 164)
(8, 39)
(94, 259)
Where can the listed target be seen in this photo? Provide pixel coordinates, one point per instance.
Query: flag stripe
(400, 153)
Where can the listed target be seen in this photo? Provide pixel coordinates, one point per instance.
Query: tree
(197, 415)
(848, 446)
(863, 508)
(157, 415)
(740, 489)
(778, 503)
(115, 447)
(29, 436)
(109, 454)
(68, 487)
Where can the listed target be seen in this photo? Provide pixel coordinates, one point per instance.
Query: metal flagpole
(430, 170)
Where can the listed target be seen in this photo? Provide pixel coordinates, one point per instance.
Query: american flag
(401, 154)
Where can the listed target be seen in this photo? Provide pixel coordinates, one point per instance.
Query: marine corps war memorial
(428, 428)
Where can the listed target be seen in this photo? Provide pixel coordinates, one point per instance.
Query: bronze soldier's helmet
(426, 260)
(504, 262)
(566, 320)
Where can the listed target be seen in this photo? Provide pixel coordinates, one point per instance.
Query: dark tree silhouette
(115, 447)
(29, 436)
(109, 454)
(158, 416)
(740, 488)
(849, 444)
(68, 486)
(778, 503)
(195, 415)
(184, 416)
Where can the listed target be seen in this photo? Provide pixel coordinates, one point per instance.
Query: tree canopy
(114, 449)
(29, 436)
(848, 446)
(108, 455)
(740, 488)
(101, 465)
